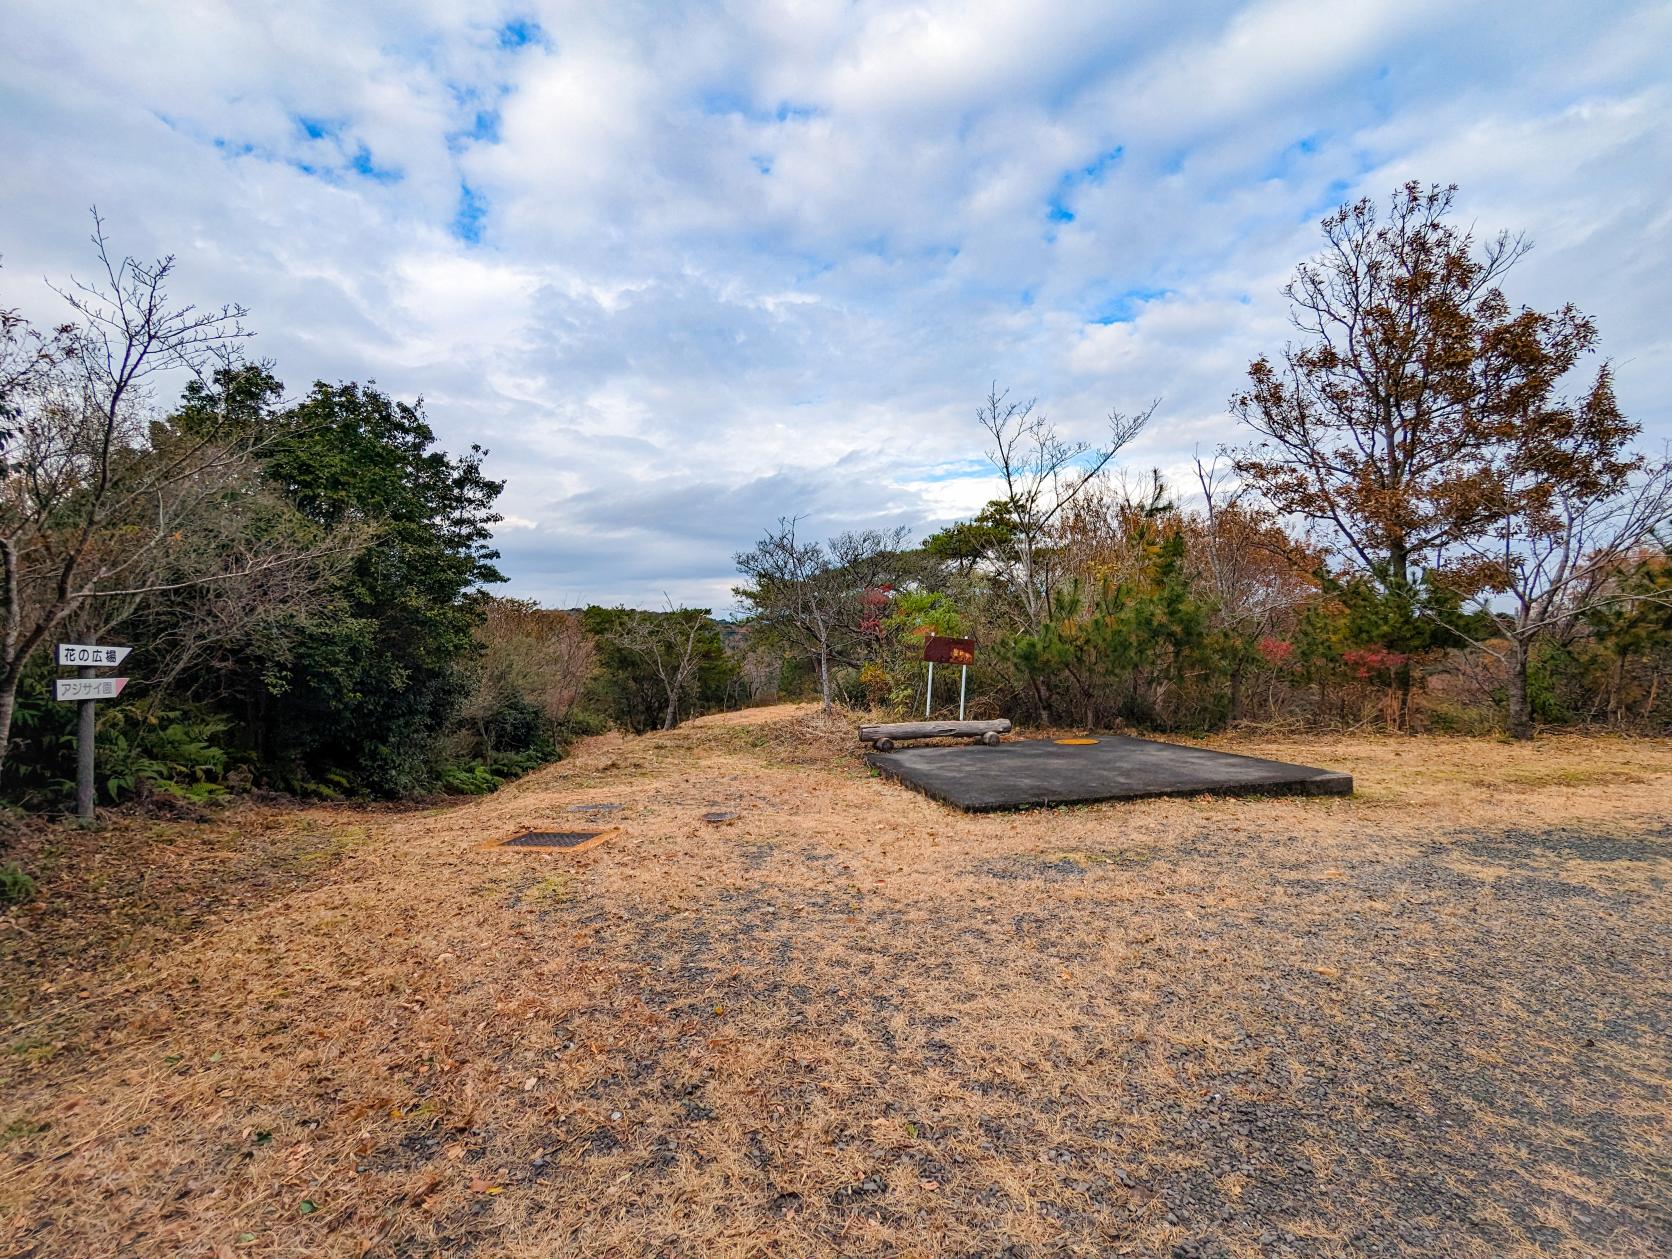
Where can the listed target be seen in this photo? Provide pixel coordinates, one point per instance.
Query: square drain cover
(551, 839)
(558, 841)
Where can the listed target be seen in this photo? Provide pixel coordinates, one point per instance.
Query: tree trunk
(824, 675)
(670, 718)
(1520, 706)
(1402, 684)
(1400, 562)
(8, 705)
(1234, 713)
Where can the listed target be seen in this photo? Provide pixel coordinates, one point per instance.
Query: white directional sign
(75, 689)
(88, 655)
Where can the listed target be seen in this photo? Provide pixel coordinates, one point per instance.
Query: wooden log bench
(884, 737)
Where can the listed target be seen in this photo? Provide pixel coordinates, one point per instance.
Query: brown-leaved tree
(1381, 423)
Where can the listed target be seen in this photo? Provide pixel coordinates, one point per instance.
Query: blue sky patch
(520, 33)
(1334, 193)
(318, 128)
(468, 219)
(1124, 307)
(361, 164)
(957, 470)
(722, 102)
(1057, 208)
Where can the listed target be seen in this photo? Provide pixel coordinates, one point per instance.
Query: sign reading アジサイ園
(90, 655)
(72, 690)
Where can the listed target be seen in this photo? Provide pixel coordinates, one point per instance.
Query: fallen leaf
(421, 1195)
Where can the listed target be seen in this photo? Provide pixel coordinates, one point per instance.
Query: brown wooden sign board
(938, 650)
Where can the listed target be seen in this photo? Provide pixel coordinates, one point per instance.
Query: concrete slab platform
(1039, 772)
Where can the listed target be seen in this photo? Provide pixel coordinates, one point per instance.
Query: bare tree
(1043, 474)
(27, 358)
(1256, 571)
(669, 642)
(758, 672)
(93, 493)
(1572, 506)
(539, 656)
(543, 655)
(241, 577)
(810, 594)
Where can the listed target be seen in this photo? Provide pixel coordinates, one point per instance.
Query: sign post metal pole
(84, 752)
(963, 681)
(86, 690)
(929, 695)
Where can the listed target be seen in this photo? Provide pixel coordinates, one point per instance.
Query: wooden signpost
(958, 651)
(86, 689)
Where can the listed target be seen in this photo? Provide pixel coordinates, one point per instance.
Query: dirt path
(1430, 1019)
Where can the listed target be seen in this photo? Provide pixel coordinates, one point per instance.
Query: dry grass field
(1431, 1019)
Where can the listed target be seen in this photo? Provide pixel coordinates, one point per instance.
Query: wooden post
(963, 681)
(84, 752)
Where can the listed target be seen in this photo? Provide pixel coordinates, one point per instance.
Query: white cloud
(687, 268)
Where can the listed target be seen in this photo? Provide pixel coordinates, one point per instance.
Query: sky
(688, 268)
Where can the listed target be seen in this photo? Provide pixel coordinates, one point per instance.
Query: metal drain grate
(550, 839)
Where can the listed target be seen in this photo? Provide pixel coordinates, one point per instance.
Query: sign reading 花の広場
(88, 654)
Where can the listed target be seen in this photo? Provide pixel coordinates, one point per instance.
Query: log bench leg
(990, 739)
(884, 745)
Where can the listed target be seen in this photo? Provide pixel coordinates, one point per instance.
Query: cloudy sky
(689, 268)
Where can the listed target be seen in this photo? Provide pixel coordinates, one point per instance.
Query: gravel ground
(848, 1021)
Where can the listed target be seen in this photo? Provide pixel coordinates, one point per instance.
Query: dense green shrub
(140, 751)
(16, 886)
(170, 753)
